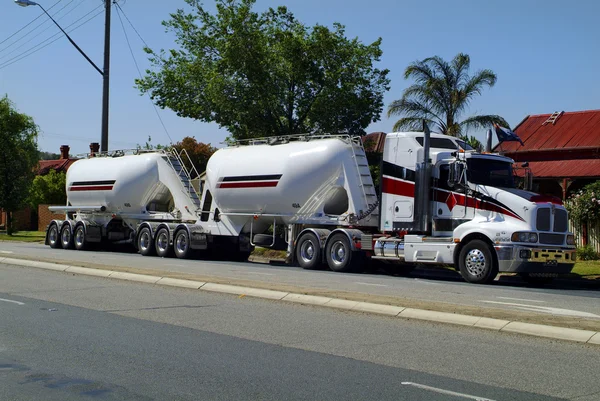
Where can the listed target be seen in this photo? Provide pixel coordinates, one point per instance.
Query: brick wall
(22, 220)
(45, 216)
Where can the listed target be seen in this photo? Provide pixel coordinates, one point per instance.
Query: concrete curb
(561, 333)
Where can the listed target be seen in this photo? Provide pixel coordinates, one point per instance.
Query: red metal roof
(567, 148)
(571, 130)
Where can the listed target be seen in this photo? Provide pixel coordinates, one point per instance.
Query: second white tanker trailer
(438, 204)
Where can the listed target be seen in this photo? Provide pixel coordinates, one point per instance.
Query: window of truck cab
(495, 173)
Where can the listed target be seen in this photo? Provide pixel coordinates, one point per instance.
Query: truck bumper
(522, 259)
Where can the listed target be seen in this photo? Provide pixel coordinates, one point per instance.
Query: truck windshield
(490, 172)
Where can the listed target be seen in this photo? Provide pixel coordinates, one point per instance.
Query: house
(26, 219)
(562, 149)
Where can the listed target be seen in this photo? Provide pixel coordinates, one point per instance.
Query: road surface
(577, 307)
(66, 337)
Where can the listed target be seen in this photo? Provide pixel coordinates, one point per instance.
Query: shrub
(587, 253)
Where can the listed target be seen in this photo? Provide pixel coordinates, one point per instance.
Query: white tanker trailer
(317, 196)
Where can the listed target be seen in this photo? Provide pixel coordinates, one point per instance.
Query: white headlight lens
(533, 237)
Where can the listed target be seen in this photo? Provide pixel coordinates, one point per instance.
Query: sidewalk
(556, 327)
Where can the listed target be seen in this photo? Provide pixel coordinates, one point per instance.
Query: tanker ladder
(185, 175)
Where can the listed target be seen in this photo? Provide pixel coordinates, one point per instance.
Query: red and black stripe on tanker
(396, 184)
(92, 186)
(250, 181)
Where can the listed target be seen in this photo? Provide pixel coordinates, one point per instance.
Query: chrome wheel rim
(307, 251)
(145, 240)
(66, 236)
(338, 253)
(181, 243)
(53, 235)
(162, 242)
(79, 237)
(475, 262)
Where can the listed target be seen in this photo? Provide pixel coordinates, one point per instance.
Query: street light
(104, 72)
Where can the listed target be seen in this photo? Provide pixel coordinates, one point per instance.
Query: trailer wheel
(53, 236)
(308, 252)
(476, 263)
(79, 238)
(145, 243)
(161, 243)
(340, 257)
(66, 237)
(181, 244)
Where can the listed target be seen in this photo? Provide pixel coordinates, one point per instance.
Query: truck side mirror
(455, 173)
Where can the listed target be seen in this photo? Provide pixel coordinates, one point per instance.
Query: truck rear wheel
(308, 252)
(181, 244)
(66, 237)
(476, 263)
(145, 243)
(53, 236)
(340, 257)
(79, 238)
(161, 243)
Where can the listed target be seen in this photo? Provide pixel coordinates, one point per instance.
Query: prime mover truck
(439, 202)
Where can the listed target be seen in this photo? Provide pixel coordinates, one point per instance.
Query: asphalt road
(509, 294)
(65, 337)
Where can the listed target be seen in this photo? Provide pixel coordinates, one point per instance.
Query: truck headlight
(570, 239)
(524, 237)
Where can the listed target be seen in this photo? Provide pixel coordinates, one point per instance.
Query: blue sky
(546, 55)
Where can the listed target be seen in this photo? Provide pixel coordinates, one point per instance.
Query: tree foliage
(266, 74)
(198, 152)
(584, 205)
(441, 94)
(18, 157)
(48, 189)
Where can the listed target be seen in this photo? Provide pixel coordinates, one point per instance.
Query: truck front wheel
(476, 263)
(308, 252)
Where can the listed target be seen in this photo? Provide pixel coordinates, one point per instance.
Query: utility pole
(105, 78)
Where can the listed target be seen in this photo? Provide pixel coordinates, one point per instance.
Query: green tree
(473, 142)
(266, 74)
(48, 189)
(18, 158)
(441, 94)
(198, 152)
(49, 156)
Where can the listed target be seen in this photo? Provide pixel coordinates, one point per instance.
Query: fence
(593, 234)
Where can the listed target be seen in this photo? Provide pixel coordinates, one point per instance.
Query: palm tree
(441, 93)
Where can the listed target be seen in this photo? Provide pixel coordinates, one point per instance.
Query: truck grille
(544, 220)
(560, 221)
(552, 239)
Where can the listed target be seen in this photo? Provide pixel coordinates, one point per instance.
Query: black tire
(162, 244)
(181, 244)
(66, 237)
(53, 236)
(79, 238)
(340, 257)
(476, 263)
(145, 244)
(534, 279)
(308, 252)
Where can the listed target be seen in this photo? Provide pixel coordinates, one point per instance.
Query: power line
(138, 68)
(36, 27)
(128, 20)
(31, 22)
(59, 34)
(44, 30)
